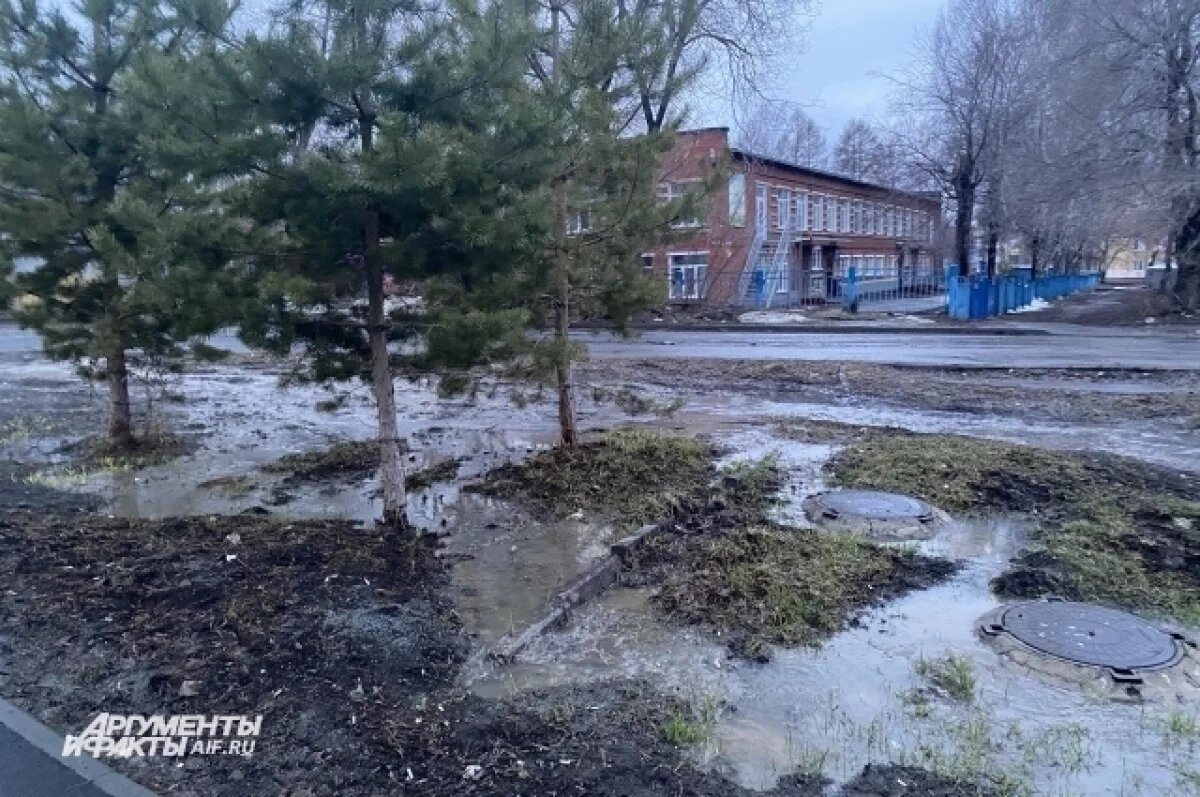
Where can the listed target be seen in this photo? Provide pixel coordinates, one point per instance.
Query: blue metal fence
(977, 297)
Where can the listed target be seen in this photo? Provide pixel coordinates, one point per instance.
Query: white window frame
(647, 268)
(677, 189)
(801, 216)
(830, 213)
(576, 224)
(762, 207)
(699, 278)
(783, 208)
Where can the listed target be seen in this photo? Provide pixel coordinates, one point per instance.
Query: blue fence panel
(850, 289)
(980, 297)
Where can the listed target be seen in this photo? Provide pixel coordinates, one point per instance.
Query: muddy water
(849, 703)
(831, 709)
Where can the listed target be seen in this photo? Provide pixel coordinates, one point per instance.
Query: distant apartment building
(1129, 258)
(778, 233)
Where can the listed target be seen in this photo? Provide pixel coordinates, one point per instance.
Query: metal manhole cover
(1088, 634)
(873, 505)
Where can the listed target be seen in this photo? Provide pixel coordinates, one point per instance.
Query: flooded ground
(857, 699)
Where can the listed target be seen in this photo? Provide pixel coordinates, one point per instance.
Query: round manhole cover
(1088, 634)
(873, 505)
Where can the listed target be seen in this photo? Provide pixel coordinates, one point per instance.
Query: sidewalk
(31, 764)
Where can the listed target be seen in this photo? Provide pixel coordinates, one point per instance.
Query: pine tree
(601, 174)
(107, 184)
(401, 166)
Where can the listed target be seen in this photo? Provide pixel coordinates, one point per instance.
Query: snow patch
(772, 317)
(1035, 305)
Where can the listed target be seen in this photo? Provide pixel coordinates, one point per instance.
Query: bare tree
(955, 103)
(729, 38)
(864, 153)
(784, 132)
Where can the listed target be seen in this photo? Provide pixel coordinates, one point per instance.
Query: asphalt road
(1104, 350)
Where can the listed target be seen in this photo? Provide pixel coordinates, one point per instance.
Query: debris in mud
(444, 471)
(891, 780)
(1110, 529)
(231, 486)
(633, 403)
(768, 585)
(146, 451)
(350, 460)
(634, 477)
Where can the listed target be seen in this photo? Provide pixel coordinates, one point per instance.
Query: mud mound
(350, 461)
(767, 585)
(634, 477)
(900, 781)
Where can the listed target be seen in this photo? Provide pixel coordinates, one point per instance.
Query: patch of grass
(682, 728)
(766, 585)
(1108, 529)
(26, 427)
(632, 476)
(954, 675)
(444, 471)
(1181, 726)
(352, 459)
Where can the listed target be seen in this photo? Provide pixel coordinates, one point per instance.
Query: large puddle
(851, 702)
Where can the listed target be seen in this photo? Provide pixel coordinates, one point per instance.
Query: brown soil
(351, 460)
(339, 636)
(1115, 306)
(899, 781)
(1066, 395)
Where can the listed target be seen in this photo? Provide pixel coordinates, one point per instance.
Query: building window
(688, 274)
(783, 209)
(647, 263)
(814, 212)
(800, 211)
(579, 222)
(671, 192)
(830, 210)
(845, 209)
(737, 200)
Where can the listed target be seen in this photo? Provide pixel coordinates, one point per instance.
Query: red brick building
(780, 234)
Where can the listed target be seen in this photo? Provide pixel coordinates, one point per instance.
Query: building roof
(840, 178)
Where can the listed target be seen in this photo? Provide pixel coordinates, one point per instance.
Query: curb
(96, 776)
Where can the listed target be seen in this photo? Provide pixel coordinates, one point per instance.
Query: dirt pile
(350, 461)
(629, 476)
(770, 585)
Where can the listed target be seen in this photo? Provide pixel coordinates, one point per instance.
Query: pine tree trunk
(391, 466)
(993, 243)
(1035, 252)
(568, 433)
(120, 423)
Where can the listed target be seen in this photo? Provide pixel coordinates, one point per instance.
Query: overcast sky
(844, 52)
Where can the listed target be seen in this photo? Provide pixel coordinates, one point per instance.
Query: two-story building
(777, 233)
